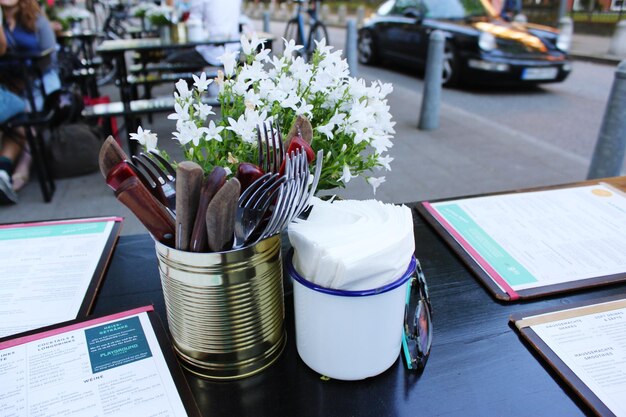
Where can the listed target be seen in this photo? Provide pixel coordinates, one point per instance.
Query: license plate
(540, 73)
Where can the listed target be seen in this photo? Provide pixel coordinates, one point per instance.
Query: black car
(480, 46)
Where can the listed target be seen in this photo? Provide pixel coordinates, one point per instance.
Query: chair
(35, 121)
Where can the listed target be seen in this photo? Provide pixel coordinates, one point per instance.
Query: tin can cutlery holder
(225, 310)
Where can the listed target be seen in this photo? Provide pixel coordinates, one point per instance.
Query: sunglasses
(418, 330)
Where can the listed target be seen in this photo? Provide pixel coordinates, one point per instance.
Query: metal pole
(351, 53)
(431, 97)
(266, 21)
(608, 156)
(562, 9)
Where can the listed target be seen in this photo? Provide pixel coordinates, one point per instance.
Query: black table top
(478, 364)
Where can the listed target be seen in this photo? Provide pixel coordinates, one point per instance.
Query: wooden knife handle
(211, 186)
(152, 214)
(220, 216)
(189, 177)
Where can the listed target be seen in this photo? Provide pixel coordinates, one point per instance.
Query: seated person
(220, 19)
(25, 28)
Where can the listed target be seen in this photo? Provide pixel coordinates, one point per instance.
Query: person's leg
(21, 173)
(9, 152)
(12, 144)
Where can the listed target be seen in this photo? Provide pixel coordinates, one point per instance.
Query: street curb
(598, 59)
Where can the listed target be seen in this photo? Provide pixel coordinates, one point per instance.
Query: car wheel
(450, 76)
(367, 48)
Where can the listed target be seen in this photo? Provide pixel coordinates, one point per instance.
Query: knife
(189, 177)
(152, 214)
(212, 184)
(220, 216)
(110, 155)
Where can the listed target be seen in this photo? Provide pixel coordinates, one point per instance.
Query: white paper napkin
(353, 244)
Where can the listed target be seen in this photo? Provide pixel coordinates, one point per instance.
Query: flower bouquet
(350, 120)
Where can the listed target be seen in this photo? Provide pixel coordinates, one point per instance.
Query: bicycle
(295, 28)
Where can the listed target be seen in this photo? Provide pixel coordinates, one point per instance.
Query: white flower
(290, 47)
(213, 132)
(291, 102)
(201, 82)
(145, 138)
(347, 175)
(181, 112)
(375, 182)
(321, 46)
(229, 59)
(304, 109)
(263, 55)
(381, 143)
(243, 127)
(250, 46)
(183, 89)
(328, 128)
(204, 110)
(385, 161)
(189, 132)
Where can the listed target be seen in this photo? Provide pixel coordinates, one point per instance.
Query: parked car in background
(480, 46)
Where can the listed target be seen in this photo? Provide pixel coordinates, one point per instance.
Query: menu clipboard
(503, 238)
(52, 270)
(119, 364)
(581, 343)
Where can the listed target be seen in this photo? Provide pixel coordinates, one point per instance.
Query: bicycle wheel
(318, 32)
(291, 31)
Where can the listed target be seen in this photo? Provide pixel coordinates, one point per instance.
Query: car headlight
(564, 41)
(486, 41)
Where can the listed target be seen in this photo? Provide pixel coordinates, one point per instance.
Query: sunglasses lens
(418, 326)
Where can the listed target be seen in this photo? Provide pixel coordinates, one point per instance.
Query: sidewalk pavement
(466, 155)
(593, 48)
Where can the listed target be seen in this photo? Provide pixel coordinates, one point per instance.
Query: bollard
(266, 21)
(566, 33)
(608, 155)
(618, 41)
(360, 16)
(342, 12)
(431, 97)
(351, 51)
(324, 13)
(562, 8)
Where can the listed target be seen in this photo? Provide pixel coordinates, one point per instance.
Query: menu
(50, 271)
(533, 243)
(109, 366)
(587, 347)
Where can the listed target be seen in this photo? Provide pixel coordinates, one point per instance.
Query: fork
(271, 150)
(253, 204)
(294, 196)
(158, 175)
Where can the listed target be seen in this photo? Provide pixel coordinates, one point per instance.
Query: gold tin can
(225, 310)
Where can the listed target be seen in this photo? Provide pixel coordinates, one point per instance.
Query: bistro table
(478, 365)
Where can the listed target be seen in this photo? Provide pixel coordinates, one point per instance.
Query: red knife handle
(152, 214)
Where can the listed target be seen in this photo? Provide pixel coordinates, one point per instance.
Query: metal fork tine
(156, 167)
(260, 146)
(316, 180)
(281, 149)
(275, 162)
(261, 190)
(170, 169)
(252, 188)
(148, 170)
